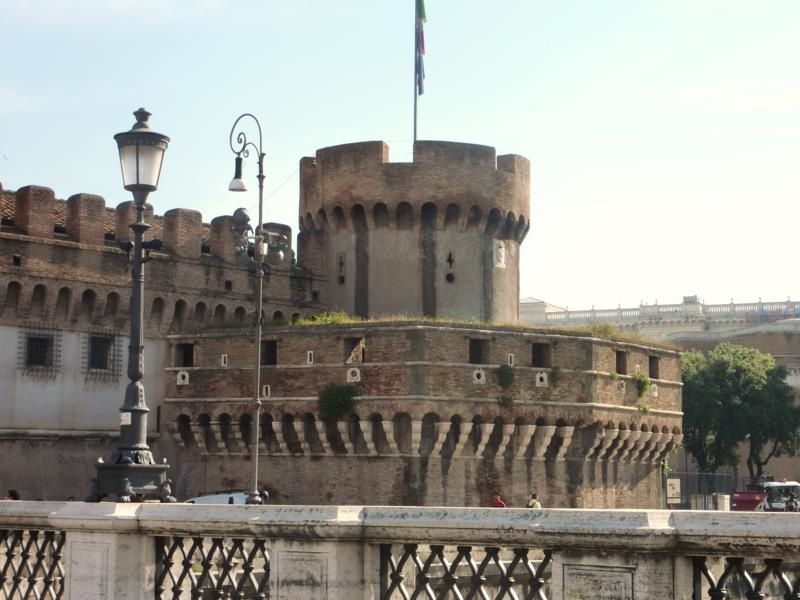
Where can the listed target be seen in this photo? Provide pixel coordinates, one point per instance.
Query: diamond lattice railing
(201, 567)
(31, 564)
(462, 572)
(769, 578)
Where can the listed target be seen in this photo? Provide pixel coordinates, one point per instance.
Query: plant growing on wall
(642, 382)
(337, 400)
(505, 376)
(614, 375)
(505, 401)
(555, 376)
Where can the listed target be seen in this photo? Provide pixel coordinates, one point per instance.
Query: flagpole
(416, 67)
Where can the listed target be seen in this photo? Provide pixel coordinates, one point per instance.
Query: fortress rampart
(63, 265)
(466, 184)
(431, 402)
(437, 237)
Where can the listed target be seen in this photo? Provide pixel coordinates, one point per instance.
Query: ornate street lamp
(262, 247)
(132, 470)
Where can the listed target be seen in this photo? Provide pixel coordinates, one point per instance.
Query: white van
(223, 498)
(227, 498)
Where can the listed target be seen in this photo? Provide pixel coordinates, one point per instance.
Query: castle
(456, 399)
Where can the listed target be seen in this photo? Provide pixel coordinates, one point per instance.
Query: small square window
(478, 351)
(39, 351)
(228, 285)
(100, 347)
(269, 352)
(17, 260)
(622, 362)
(540, 355)
(655, 363)
(184, 355)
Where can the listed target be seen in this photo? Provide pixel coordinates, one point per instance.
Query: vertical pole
(255, 498)
(133, 427)
(416, 67)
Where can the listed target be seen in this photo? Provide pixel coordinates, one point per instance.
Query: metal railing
(392, 553)
(31, 564)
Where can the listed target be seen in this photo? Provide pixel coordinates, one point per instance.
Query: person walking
(497, 502)
(534, 501)
(791, 504)
(12, 495)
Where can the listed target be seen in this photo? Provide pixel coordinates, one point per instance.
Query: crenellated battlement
(449, 185)
(34, 211)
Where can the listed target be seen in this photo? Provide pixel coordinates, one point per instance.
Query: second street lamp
(263, 247)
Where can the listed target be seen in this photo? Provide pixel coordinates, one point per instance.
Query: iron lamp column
(132, 470)
(241, 148)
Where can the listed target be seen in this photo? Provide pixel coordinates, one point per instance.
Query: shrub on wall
(337, 400)
(505, 376)
(505, 401)
(642, 382)
(555, 376)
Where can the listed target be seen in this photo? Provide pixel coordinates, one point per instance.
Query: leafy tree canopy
(735, 394)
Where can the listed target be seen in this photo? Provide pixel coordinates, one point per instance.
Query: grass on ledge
(598, 330)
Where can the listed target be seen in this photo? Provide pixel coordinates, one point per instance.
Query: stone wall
(429, 427)
(139, 551)
(438, 237)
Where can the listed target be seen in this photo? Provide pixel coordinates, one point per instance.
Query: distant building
(772, 327)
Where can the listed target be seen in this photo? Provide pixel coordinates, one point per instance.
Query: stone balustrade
(647, 312)
(141, 551)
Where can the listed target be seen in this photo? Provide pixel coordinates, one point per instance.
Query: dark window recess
(622, 362)
(17, 260)
(269, 352)
(355, 350)
(59, 228)
(315, 296)
(478, 352)
(205, 247)
(655, 363)
(540, 355)
(100, 347)
(39, 351)
(109, 236)
(184, 355)
(228, 285)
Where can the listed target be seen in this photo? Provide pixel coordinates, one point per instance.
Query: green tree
(734, 394)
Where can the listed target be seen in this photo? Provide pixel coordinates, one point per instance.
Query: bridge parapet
(127, 551)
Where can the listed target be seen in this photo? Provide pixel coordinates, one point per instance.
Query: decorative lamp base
(127, 480)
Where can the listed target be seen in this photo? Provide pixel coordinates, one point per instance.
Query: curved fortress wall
(438, 237)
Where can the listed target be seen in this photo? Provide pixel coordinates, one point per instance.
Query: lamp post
(263, 247)
(132, 469)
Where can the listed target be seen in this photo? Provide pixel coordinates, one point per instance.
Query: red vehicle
(767, 496)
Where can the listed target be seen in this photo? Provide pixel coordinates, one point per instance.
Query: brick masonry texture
(432, 423)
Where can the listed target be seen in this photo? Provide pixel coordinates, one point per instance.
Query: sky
(664, 137)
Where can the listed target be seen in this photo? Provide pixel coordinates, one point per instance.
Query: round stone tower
(438, 237)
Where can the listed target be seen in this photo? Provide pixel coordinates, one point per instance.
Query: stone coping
(675, 532)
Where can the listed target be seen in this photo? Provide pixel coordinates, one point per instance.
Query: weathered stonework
(433, 425)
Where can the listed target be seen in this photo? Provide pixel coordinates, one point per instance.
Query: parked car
(221, 498)
(227, 498)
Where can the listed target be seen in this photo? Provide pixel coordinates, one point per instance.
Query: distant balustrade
(746, 311)
(146, 551)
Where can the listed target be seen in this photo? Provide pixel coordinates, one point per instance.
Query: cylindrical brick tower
(438, 237)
